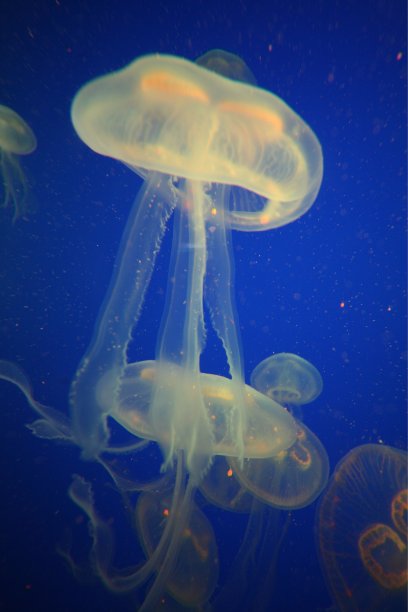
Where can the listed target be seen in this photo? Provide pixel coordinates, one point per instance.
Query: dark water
(330, 286)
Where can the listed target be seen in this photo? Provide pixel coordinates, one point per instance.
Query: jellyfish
(16, 138)
(192, 134)
(219, 155)
(362, 530)
(288, 379)
(294, 477)
(226, 64)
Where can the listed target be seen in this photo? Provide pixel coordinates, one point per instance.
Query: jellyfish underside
(16, 138)
(195, 138)
(362, 530)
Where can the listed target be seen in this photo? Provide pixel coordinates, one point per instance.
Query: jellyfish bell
(16, 138)
(167, 114)
(270, 429)
(287, 378)
(361, 527)
(291, 479)
(226, 64)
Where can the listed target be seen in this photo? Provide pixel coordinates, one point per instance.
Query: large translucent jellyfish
(16, 138)
(222, 154)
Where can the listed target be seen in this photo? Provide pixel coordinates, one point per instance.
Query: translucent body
(362, 530)
(288, 379)
(293, 478)
(226, 64)
(166, 114)
(269, 428)
(16, 138)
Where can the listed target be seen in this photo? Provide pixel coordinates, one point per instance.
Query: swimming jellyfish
(294, 477)
(362, 530)
(289, 379)
(16, 138)
(221, 154)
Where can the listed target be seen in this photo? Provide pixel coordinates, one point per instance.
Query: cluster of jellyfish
(218, 154)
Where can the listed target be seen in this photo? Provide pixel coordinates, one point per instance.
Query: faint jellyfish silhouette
(16, 138)
(226, 64)
(192, 578)
(362, 530)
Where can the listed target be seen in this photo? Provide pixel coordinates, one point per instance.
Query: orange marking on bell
(251, 111)
(163, 83)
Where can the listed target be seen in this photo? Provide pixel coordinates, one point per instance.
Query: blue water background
(329, 287)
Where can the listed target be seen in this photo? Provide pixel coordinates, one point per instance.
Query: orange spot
(213, 211)
(229, 472)
(166, 512)
(342, 304)
(218, 392)
(163, 83)
(249, 111)
(264, 219)
(147, 374)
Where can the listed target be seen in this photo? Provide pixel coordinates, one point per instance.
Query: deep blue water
(330, 286)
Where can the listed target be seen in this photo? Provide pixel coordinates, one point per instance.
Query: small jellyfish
(288, 379)
(16, 138)
(227, 64)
